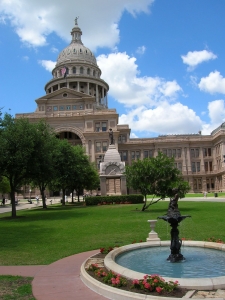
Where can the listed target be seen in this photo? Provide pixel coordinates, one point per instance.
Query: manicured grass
(15, 288)
(43, 236)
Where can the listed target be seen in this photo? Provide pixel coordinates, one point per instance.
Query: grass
(40, 236)
(15, 288)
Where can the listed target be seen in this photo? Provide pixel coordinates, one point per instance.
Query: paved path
(57, 281)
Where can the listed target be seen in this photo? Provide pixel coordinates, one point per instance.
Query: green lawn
(15, 288)
(43, 236)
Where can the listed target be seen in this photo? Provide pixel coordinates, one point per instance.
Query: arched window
(74, 70)
(81, 70)
(88, 71)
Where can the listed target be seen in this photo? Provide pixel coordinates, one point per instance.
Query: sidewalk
(57, 281)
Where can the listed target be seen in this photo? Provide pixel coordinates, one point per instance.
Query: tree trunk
(42, 190)
(63, 196)
(13, 202)
(145, 203)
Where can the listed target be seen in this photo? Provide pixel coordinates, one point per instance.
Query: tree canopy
(156, 176)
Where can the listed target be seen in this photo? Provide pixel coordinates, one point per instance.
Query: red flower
(158, 289)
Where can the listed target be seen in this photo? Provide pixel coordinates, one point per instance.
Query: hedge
(120, 199)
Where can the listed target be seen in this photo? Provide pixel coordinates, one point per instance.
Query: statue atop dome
(76, 23)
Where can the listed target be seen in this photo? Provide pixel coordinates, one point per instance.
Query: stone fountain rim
(189, 283)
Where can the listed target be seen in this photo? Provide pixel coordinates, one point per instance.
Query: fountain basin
(203, 283)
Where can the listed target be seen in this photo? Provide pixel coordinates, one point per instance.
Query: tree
(65, 162)
(4, 185)
(17, 140)
(43, 164)
(85, 174)
(155, 176)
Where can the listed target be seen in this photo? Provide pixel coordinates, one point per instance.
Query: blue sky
(164, 60)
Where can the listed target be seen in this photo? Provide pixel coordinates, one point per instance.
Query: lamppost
(30, 195)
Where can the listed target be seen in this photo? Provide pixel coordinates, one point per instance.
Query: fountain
(174, 217)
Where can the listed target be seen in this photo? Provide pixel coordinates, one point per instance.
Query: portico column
(97, 99)
(78, 86)
(88, 88)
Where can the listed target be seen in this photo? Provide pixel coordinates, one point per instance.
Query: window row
(172, 152)
(101, 147)
(122, 139)
(64, 107)
(78, 70)
(101, 126)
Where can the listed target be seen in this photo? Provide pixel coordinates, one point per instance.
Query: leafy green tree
(65, 162)
(85, 174)
(17, 140)
(155, 176)
(43, 163)
(4, 185)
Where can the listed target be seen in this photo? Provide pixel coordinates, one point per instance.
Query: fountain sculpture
(173, 217)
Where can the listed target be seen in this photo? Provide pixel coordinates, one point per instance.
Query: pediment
(60, 95)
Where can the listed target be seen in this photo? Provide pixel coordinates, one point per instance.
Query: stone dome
(76, 51)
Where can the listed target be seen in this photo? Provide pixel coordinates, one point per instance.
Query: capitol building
(76, 107)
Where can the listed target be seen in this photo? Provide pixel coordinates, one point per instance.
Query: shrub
(131, 199)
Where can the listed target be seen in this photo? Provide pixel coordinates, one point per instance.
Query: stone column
(97, 96)
(123, 185)
(88, 89)
(78, 86)
(103, 185)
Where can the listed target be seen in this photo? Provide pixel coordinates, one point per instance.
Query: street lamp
(30, 195)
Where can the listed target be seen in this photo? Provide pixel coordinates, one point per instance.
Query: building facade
(76, 106)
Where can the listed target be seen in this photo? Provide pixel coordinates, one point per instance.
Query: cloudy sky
(164, 60)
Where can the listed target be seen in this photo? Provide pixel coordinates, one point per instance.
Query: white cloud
(213, 83)
(120, 71)
(216, 111)
(165, 119)
(133, 136)
(192, 59)
(26, 58)
(35, 20)
(54, 50)
(141, 50)
(47, 64)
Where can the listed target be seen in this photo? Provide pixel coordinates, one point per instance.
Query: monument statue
(76, 20)
(111, 137)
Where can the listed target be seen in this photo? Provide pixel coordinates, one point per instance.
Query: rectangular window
(151, 153)
(104, 128)
(179, 167)
(137, 154)
(61, 108)
(193, 167)
(145, 154)
(210, 165)
(169, 153)
(178, 152)
(55, 108)
(209, 151)
(164, 151)
(68, 107)
(206, 166)
(192, 152)
(198, 166)
(196, 152)
(104, 146)
(174, 152)
(74, 107)
(98, 147)
(132, 155)
(124, 155)
(81, 106)
(97, 127)
(123, 139)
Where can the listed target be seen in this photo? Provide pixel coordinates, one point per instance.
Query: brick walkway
(59, 280)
